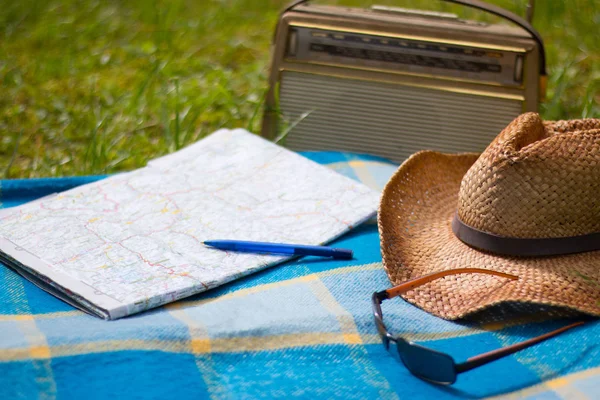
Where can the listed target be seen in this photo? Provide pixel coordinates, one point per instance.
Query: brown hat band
(524, 246)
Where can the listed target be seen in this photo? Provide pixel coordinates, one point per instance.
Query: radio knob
(519, 69)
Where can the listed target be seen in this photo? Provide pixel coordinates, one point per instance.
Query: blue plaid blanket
(301, 329)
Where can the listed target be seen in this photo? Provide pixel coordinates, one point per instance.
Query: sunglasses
(432, 365)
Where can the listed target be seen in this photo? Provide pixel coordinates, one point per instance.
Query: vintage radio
(391, 81)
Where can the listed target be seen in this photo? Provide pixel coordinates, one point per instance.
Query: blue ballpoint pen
(280, 248)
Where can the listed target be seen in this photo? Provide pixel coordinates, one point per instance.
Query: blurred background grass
(99, 86)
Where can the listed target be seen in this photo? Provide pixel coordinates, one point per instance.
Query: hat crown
(536, 180)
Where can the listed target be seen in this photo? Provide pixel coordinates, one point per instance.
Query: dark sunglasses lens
(428, 364)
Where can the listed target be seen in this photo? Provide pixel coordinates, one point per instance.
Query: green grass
(90, 87)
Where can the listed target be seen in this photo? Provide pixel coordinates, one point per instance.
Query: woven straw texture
(536, 180)
(530, 170)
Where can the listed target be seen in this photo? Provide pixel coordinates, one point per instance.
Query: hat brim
(414, 220)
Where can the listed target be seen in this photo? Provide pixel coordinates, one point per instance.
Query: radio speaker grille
(389, 120)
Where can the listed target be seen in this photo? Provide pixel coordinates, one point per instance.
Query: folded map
(133, 241)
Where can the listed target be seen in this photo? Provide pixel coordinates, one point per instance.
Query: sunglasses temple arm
(415, 283)
(494, 355)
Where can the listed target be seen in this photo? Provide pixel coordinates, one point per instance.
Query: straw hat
(529, 205)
